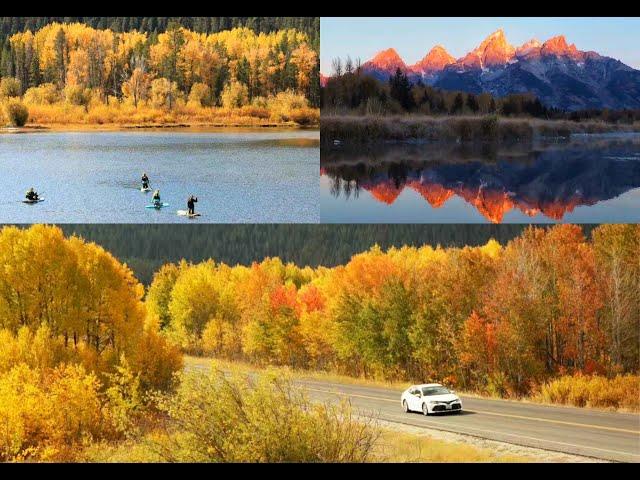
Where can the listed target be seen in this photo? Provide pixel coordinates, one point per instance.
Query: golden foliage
(68, 300)
(494, 319)
(103, 71)
(48, 417)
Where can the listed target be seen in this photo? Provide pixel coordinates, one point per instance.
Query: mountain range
(556, 72)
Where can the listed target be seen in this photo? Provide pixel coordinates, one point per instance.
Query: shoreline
(353, 129)
(116, 127)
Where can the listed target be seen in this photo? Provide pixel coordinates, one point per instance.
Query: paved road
(592, 433)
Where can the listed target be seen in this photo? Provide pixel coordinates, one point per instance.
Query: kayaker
(145, 180)
(191, 204)
(156, 197)
(31, 194)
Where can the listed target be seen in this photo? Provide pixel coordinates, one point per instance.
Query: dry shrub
(244, 418)
(305, 116)
(284, 103)
(255, 111)
(619, 392)
(45, 94)
(16, 113)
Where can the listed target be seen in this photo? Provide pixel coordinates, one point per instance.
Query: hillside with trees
(146, 248)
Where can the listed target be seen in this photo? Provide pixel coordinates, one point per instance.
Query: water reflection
(548, 180)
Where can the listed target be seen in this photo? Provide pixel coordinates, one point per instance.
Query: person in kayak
(191, 204)
(145, 180)
(32, 195)
(156, 197)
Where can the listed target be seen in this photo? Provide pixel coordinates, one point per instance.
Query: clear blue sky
(413, 37)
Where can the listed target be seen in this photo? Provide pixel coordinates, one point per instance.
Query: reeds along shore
(368, 128)
(121, 115)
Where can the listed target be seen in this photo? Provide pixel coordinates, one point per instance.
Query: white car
(430, 398)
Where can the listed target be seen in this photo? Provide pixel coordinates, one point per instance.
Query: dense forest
(497, 318)
(66, 72)
(350, 90)
(155, 25)
(146, 247)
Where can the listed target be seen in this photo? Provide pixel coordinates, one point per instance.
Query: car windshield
(426, 391)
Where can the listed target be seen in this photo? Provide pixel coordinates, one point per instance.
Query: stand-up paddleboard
(185, 213)
(30, 202)
(157, 205)
(143, 189)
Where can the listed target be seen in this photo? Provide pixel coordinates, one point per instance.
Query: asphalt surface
(579, 431)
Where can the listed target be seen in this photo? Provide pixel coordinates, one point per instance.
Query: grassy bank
(361, 129)
(621, 393)
(125, 115)
(122, 116)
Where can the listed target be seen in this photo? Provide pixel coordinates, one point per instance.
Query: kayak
(33, 201)
(143, 189)
(185, 213)
(157, 205)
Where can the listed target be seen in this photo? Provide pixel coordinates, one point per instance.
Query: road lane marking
(483, 430)
(562, 422)
(508, 415)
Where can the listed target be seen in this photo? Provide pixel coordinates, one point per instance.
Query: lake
(239, 176)
(587, 179)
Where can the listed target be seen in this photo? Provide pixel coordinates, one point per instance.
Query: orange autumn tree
(616, 250)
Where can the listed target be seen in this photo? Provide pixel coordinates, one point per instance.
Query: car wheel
(405, 407)
(425, 409)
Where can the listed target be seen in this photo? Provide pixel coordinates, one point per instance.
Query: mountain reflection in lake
(588, 179)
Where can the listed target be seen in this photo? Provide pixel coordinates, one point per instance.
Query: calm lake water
(94, 177)
(588, 179)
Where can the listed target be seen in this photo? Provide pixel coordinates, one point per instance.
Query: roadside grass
(394, 446)
(368, 128)
(200, 362)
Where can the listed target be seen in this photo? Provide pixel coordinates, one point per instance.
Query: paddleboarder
(191, 204)
(156, 197)
(32, 195)
(145, 180)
